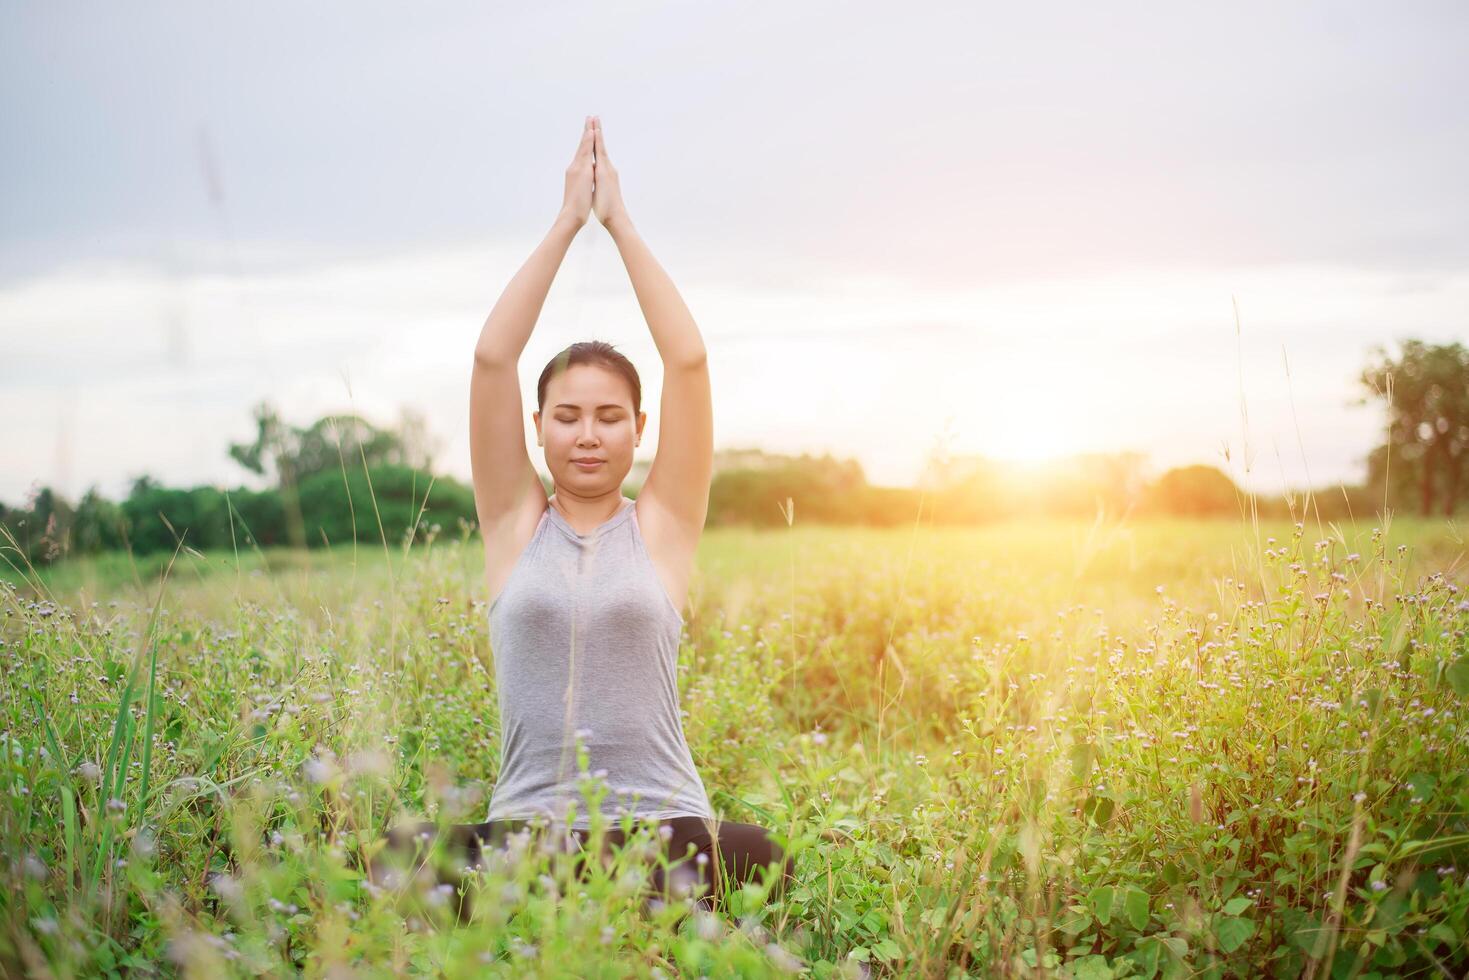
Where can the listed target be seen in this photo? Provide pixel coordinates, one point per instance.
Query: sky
(1014, 230)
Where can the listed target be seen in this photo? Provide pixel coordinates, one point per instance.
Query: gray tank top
(585, 641)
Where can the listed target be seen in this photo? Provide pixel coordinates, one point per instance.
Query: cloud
(1025, 222)
(873, 368)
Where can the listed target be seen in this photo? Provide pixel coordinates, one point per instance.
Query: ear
(642, 421)
(535, 418)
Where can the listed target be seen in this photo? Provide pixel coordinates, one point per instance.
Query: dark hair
(596, 352)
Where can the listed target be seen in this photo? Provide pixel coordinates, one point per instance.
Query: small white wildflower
(319, 770)
(370, 762)
(226, 887)
(707, 925)
(783, 959)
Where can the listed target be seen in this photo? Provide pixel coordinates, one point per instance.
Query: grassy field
(1060, 749)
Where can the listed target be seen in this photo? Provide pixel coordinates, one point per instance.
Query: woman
(586, 586)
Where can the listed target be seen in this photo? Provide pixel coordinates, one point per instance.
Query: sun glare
(1026, 433)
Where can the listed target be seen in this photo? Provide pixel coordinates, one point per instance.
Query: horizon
(725, 459)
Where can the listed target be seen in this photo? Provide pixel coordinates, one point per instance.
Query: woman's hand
(607, 195)
(578, 198)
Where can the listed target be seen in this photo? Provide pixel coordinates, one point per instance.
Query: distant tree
(1426, 388)
(331, 444)
(290, 454)
(1194, 491)
(100, 524)
(257, 457)
(825, 490)
(142, 484)
(334, 441)
(259, 518)
(324, 495)
(42, 528)
(403, 499)
(158, 518)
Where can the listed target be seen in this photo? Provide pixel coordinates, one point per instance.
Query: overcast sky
(1017, 230)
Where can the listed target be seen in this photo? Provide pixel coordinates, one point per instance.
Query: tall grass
(1102, 749)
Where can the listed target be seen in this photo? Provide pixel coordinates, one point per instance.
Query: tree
(329, 444)
(1427, 391)
(100, 524)
(388, 502)
(291, 454)
(42, 528)
(825, 489)
(275, 444)
(1195, 490)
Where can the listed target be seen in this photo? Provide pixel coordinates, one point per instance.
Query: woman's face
(589, 416)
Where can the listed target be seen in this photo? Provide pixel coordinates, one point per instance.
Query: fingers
(597, 130)
(584, 149)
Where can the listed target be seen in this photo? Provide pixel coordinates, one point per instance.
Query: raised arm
(678, 481)
(505, 482)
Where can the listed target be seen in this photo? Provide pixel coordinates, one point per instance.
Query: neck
(581, 510)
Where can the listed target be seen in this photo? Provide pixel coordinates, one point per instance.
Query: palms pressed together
(592, 184)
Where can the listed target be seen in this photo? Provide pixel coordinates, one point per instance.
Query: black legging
(702, 854)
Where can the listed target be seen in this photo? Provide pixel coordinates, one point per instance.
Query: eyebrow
(565, 405)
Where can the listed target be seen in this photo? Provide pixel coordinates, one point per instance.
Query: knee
(786, 871)
(779, 865)
(412, 838)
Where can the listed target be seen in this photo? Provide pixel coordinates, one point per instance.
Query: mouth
(588, 463)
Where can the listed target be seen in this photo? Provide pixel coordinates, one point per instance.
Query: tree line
(342, 479)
